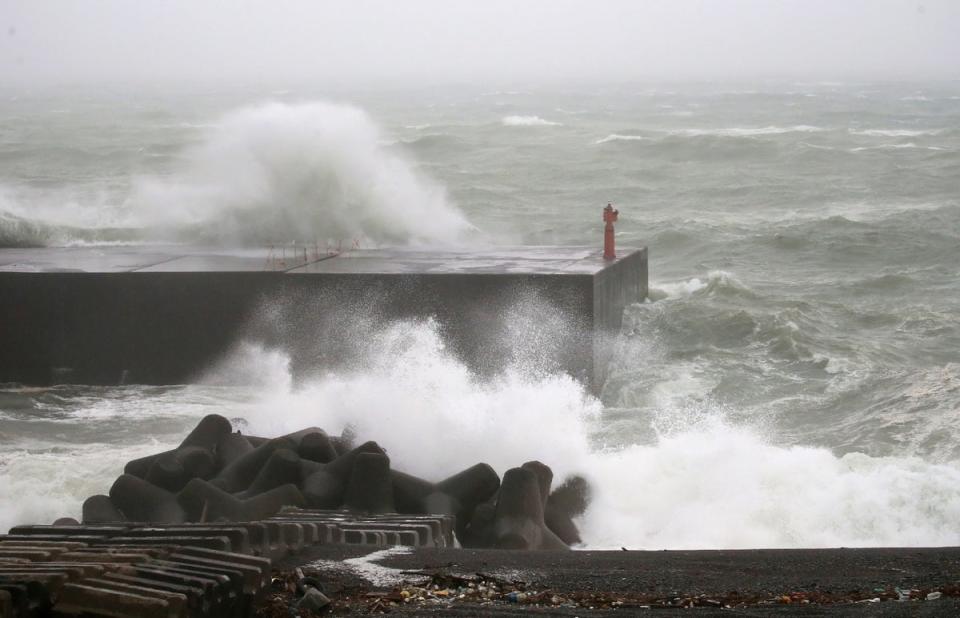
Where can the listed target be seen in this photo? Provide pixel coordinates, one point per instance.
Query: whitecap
(616, 137)
(528, 121)
(747, 131)
(277, 172)
(907, 145)
(895, 132)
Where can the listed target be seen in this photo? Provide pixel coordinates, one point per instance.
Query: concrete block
(139, 500)
(208, 433)
(369, 489)
(242, 471)
(85, 599)
(544, 478)
(238, 537)
(316, 446)
(325, 488)
(202, 501)
(230, 448)
(178, 602)
(262, 565)
(252, 576)
(363, 537)
(210, 541)
(100, 509)
(198, 604)
(282, 467)
(518, 519)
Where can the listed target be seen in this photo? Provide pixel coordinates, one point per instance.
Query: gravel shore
(816, 582)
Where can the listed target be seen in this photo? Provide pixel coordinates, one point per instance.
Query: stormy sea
(793, 379)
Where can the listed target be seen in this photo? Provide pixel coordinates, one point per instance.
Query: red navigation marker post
(609, 217)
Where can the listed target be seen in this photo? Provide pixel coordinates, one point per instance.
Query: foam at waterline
(278, 172)
(701, 483)
(41, 483)
(719, 486)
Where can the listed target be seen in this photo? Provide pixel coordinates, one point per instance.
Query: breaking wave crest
(278, 172)
(896, 132)
(717, 281)
(695, 483)
(261, 175)
(616, 137)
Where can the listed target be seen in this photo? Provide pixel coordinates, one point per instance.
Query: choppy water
(794, 381)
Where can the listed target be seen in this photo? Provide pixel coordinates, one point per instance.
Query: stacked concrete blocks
(42, 576)
(216, 475)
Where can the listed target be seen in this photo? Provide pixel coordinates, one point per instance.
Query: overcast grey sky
(369, 42)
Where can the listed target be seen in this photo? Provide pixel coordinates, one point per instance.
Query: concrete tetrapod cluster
(217, 474)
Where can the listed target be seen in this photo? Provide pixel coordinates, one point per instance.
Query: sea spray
(264, 174)
(696, 480)
(700, 481)
(313, 171)
(429, 411)
(722, 486)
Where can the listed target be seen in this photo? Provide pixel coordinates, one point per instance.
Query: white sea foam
(683, 289)
(718, 132)
(528, 121)
(431, 413)
(747, 131)
(616, 137)
(908, 145)
(42, 482)
(896, 132)
(701, 483)
(277, 172)
(367, 567)
(680, 289)
(724, 486)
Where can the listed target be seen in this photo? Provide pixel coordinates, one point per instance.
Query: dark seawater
(794, 379)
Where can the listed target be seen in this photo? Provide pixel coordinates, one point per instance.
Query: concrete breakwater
(164, 315)
(216, 475)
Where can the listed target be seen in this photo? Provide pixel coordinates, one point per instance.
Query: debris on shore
(426, 591)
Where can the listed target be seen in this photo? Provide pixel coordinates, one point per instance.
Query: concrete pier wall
(159, 316)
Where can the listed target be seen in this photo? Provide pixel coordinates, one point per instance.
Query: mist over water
(793, 381)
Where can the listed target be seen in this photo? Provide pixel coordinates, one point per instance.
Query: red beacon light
(609, 217)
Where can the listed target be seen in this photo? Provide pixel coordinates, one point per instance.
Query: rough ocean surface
(794, 380)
